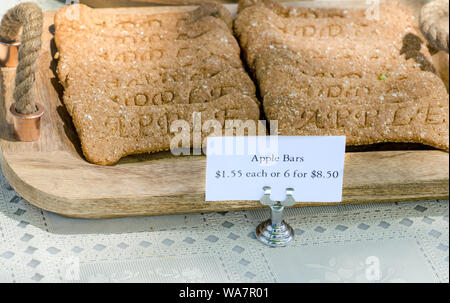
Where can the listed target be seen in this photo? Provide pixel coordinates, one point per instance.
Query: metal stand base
(274, 235)
(275, 232)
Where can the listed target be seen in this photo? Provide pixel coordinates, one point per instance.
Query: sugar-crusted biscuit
(157, 87)
(127, 78)
(110, 132)
(336, 72)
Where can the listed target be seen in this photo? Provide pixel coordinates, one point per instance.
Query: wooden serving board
(52, 173)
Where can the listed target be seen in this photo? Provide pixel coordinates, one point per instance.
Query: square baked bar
(324, 71)
(126, 77)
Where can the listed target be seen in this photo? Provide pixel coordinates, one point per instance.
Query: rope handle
(430, 16)
(28, 17)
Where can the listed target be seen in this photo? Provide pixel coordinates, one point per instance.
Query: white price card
(239, 167)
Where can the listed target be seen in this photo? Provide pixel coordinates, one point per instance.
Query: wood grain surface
(52, 174)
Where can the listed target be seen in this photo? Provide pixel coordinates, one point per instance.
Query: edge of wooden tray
(51, 174)
(371, 177)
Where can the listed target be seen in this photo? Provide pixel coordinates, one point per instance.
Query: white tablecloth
(404, 241)
(368, 243)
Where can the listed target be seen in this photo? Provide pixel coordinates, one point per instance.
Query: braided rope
(29, 16)
(429, 22)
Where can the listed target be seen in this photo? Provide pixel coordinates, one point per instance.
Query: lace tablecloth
(384, 242)
(378, 242)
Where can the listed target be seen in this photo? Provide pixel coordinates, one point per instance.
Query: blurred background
(55, 4)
